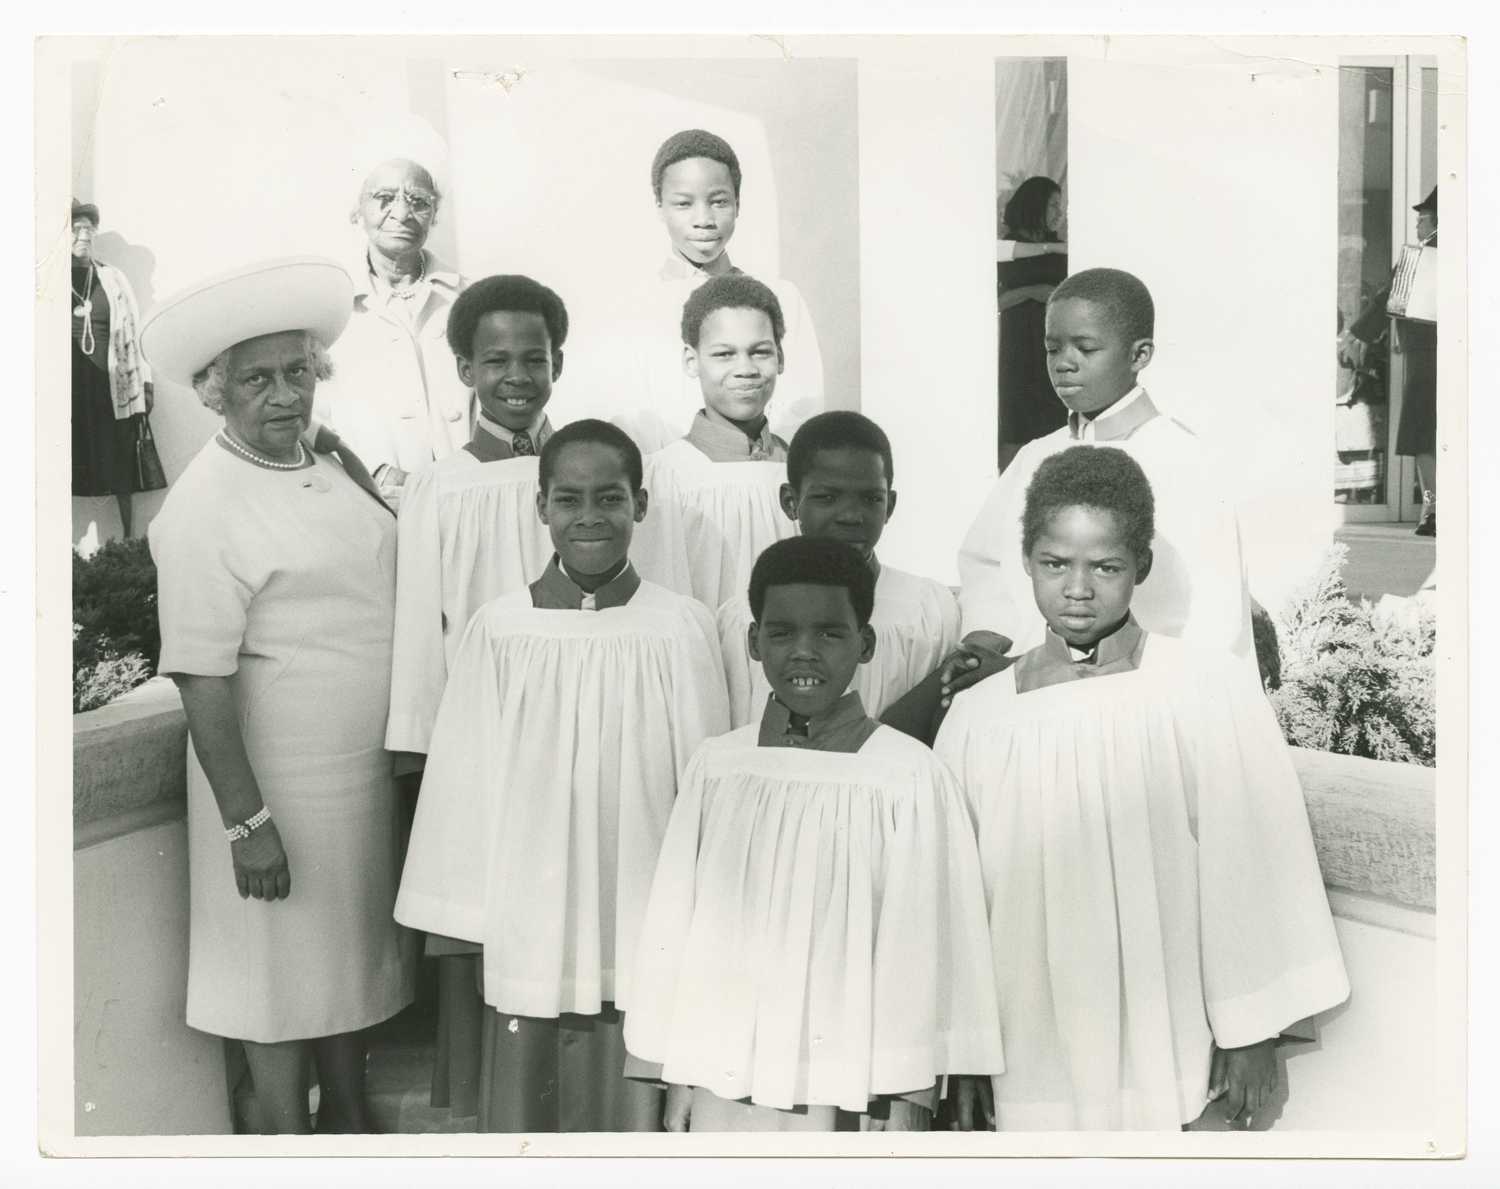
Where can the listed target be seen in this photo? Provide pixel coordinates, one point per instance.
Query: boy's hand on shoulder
(678, 1113)
(1247, 1078)
(974, 1103)
(979, 655)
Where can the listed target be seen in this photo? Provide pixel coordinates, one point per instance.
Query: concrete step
(398, 1089)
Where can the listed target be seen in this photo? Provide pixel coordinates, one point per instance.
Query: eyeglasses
(417, 202)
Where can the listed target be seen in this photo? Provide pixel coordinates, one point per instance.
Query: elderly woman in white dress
(397, 399)
(276, 596)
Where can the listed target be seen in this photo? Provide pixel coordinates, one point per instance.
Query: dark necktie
(520, 444)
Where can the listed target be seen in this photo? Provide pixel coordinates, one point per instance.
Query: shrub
(116, 637)
(1354, 681)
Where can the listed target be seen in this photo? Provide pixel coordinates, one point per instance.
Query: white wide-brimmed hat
(185, 333)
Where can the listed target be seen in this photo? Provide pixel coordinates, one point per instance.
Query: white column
(927, 288)
(1212, 176)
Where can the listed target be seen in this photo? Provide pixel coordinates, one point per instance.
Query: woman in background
(112, 391)
(1038, 261)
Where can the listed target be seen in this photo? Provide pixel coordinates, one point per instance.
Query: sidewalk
(1385, 559)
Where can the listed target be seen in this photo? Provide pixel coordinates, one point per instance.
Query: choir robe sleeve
(668, 919)
(445, 881)
(1203, 526)
(1269, 951)
(659, 550)
(799, 390)
(702, 702)
(419, 665)
(950, 619)
(739, 668)
(990, 551)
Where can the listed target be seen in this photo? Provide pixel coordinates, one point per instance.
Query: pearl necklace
(260, 460)
(409, 290)
(85, 309)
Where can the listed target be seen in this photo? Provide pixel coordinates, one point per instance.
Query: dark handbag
(149, 475)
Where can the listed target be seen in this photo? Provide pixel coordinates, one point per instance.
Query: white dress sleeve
(419, 667)
(203, 596)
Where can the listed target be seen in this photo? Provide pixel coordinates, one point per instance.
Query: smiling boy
(718, 490)
(840, 475)
(573, 705)
(1099, 338)
(468, 529)
(814, 939)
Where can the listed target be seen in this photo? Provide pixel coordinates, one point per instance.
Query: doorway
(1387, 163)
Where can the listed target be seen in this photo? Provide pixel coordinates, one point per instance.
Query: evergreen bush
(116, 637)
(1355, 681)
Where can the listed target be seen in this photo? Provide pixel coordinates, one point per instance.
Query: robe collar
(843, 727)
(675, 268)
(1052, 662)
(492, 441)
(724, 443)
(1117, 422)
(555, 591)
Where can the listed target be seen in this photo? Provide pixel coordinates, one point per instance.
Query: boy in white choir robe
(839, 487)
(572, 708)
(1157, 912)
(467, 532)
(815, 938)
(695, 180)
(716, 494)
(468, 529)
(1099, 328)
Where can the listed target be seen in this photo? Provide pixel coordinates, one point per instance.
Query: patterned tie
(520, 444)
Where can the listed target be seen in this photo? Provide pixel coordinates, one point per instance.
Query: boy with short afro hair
(1099, 328)
(696, 183)
(467, 532)
(717, 491)
(840, 486)
(468, 529)
(573, 706)
(1157, 913)
(815, 935)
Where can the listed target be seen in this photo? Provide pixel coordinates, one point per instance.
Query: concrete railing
(138, 1068)
(141, 1070)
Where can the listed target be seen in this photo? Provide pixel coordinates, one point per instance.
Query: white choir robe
(1151, 880)
(1197, 588)
(708, 521)
(468, 532)
(553, 767)
(816, 930)
(916, 625)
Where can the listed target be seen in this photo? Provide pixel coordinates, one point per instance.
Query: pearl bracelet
(243, 829)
